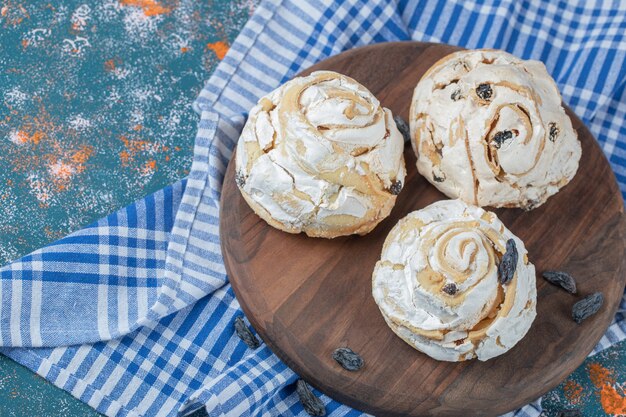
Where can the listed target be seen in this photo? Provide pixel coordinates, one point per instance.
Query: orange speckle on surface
(599, 375)
(76, 26)
(148, 168)
(220, 48)
(184, 49)
(135, 147)
(14, 14)
(149, 7)
(81, 156)
(125, 158)
(167, 158)
(138, 128)
(109, 65)
(35, 137)
(573, 391)
(25, 43)
(613, 402)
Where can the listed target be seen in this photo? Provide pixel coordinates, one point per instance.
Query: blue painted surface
(95, 112)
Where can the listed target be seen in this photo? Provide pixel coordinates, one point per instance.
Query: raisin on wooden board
(348, 359)
(562, 279)
(587, 307)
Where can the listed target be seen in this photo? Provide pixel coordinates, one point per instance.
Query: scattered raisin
(245, 334)
(348, 359)
(456, 95)
(450, 288)
(312, 405)
(587, 307)
(240, 179)
(554, 131)
(506, 269)
(484, 91)
(500, 137)
(396, 187)
(403, 128)
(437, 178)
(562, 279)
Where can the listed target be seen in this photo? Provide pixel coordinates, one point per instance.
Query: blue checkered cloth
(134, 314)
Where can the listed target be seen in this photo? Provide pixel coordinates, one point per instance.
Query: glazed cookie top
(489, 128)
(321, 155)
(454, 283)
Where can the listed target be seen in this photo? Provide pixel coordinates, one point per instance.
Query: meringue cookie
(490, 129)
(437, 283)
(320, 155)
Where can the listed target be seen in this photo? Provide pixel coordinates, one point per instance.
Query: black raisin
(312, 405)
(554, 131)
(348, 359)
(438, 176)
(403, 128)
(240, 179)
(245, 334)
(484, 91)
(396, 187)
(587, 307)
(569, 413)
(500, 137)
(450, 288)
(562, 279)
(456, 95)
(506, 269)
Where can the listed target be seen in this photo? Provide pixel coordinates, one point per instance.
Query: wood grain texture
(308, 296)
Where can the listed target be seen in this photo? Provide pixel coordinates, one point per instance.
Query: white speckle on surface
(75, 46)
(108, 10)
(121, 73)
(137, 116)
(61, 13)
(114, 96)
(137, 24)
(14, 137)
(35, 37)
(15, 98)
(80, 17)
(144, 94)
(41, 189)
(61, 170)
(79, 123)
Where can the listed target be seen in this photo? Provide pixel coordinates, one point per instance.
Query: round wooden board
(307, 296)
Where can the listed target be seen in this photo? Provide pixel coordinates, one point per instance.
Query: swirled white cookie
(490, 129)
(454, 283)
(320, 155)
